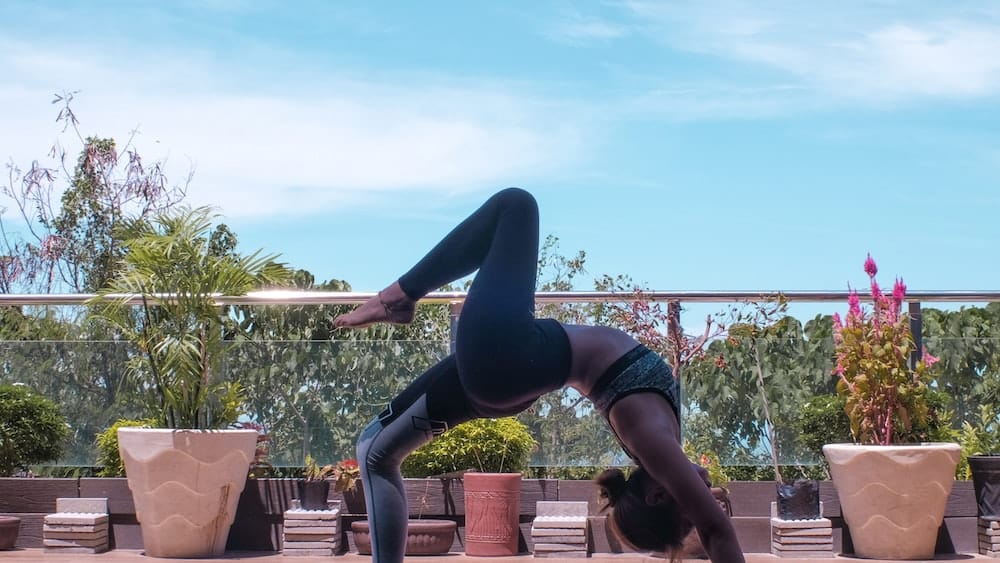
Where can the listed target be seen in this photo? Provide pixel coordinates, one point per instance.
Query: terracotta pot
(9, 527)
(986, 482)
(186, 485)
(313, 494)
(423, 537)
(893, 497)
(492, 513)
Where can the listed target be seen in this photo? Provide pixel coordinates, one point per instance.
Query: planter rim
(198, 430)
(847, 445)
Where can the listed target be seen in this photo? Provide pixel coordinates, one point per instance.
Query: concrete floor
(126, 555)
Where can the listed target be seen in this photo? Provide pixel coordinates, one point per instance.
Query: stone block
(84, 505)
(582, 553)
(563, 508)
(300, 514)
(61, 535)
(78, 529)
(75, 550)
(75, 519)
(47, 542)
(559, 522)
(307, 552)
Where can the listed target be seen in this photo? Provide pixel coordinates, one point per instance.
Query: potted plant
(32, 430)
(185, 478)
(981, 449)
(346, 478)
(490, 454)
(314, 488)
(892, 496)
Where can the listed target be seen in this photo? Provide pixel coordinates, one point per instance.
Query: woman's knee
(517, 197)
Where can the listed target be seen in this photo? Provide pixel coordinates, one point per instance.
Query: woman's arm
(648, 428)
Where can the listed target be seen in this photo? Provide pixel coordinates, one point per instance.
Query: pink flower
(929, 360)
(870, 268)
(898, 292)
(853, 305)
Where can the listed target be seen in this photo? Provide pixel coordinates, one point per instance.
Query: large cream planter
(186, 485)
(893, 497)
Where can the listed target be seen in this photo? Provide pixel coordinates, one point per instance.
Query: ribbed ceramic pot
(492, 513)
(893, 497)
(186, 485)
(423, 537)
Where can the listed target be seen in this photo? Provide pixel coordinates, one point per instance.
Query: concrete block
(559, 522)
(300, 514)
(563, 508)
(562, 554)
(76, 529)
(73, 518)
(307, 552)
(75, 550)
(47, 542)
(59, 535)
(84, 505)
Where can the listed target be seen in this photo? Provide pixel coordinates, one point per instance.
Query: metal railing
(292, 297)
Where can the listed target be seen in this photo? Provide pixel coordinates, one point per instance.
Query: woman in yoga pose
(504, 360)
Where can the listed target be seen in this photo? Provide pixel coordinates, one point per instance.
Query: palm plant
(177, 267)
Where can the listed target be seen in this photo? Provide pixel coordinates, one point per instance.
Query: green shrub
(823, 420)
(108, 456)
(492, 445)
(32, 430)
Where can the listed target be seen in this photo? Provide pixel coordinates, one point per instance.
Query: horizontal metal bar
(286, 297)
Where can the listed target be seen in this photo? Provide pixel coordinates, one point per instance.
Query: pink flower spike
(853, 304)
(870, 268)
(898, 292)
(837, 322)
(929, 360)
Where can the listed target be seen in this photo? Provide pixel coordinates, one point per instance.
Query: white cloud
(879, 51)
(274, 150)
(578, 29)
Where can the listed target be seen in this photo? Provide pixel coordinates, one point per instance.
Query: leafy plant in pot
(905, 486)
(32, 430)
(163, 299)
(491, 455)
(756, 324)
(314, 488)
(981, 449)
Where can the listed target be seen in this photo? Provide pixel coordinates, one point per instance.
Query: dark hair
(657, 528)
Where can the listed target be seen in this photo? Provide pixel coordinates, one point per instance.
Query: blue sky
(717, 145)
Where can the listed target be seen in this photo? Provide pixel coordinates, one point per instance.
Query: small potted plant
(981, 446)
(346, 478)
(491, 455)
(32, 430)
(314, 488)
(892, 496)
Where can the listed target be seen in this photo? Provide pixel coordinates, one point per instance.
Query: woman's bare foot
(391, 305)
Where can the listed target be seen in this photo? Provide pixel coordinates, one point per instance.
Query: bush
(492, 445)
(108, 456)
(32, 430)
(823, 420)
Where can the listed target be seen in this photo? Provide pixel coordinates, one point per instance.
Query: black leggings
(504, 358)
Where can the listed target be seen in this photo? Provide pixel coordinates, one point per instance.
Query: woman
(504, 360)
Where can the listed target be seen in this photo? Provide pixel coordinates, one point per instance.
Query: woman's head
(642, 513)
